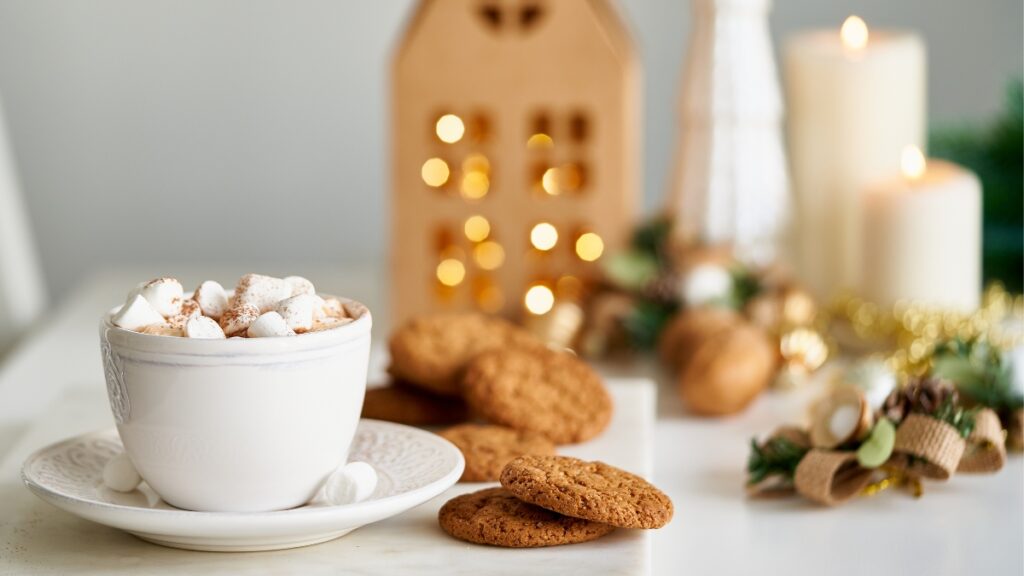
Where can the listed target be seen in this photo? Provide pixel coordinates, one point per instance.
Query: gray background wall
(218, 130)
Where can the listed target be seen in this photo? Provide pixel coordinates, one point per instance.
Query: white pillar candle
(855, 99)
(922, 236)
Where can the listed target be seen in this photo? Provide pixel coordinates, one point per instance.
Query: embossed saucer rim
(305, 511)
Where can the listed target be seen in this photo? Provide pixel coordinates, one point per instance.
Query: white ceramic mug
(237, 425)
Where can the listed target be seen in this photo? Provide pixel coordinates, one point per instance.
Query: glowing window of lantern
(579, 127)
(549, 182)
(539, 141)
(435, 172)
(569, 287)
(572, 177)
(489, 255)
(539, 299)
(475, 185)
(589, 246)
(476, 228)
(449, 128)
(544, 236)
(450, 272)
(488, 295)
(476, 163)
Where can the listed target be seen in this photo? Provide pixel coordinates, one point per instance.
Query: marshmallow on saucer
(212, 299)
(120, 474)
(237, 320)
(136, 313)
(299, 285)
(351, 483)
(203, 327)
(261, 291)
(165, 295)
(297, 311)
(268, 325)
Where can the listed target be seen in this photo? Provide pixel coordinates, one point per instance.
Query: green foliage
(996, 153)
(777, 456)
(745, 285)
(980, 372)
(645, 323)
(956, 416)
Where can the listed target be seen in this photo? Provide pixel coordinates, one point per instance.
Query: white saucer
(412, 465)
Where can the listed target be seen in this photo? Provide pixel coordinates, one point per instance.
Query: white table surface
(972, 524)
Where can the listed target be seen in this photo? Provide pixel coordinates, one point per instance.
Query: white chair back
(22, 291)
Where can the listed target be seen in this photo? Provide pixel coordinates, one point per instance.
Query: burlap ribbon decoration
(986, 449)
(830, 477)
(928, 447)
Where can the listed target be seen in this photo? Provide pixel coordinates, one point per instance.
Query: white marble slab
(36, 538)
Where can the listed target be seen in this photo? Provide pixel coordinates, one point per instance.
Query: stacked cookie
(553, 500)
(451, 368)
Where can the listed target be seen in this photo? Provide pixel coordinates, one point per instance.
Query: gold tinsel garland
(913, 331)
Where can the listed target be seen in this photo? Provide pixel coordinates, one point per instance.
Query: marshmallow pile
(260, 306)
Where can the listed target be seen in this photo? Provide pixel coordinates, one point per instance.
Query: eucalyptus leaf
(631, 270)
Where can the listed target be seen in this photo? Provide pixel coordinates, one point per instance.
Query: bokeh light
(539, 299)
(544, 236)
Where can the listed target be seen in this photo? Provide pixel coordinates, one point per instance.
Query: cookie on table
(494, 516)
(538, 390)
(590, 490)
(488, 448)
(430, 351)
(405, 404)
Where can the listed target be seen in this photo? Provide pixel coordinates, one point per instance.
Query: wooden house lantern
(515, 153)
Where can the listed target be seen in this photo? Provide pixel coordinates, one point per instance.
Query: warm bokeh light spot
(549, 182)
(435, 172)
(477, 228)
(544, 236)
(589, 246)
(451, 272)
(475, 185)
(476, 163)
(489, 255)
(539, 299)
(450, 128)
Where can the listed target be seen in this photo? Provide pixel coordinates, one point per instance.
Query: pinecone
(664, 288)
(922, 395)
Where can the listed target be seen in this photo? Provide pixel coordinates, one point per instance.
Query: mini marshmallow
(237, 320)
(261, 291)
(354, 309)
(297, 311)
(327, 323)
(299, 285)
(189, 309)
(203, 327)
(165, 295)
(137, 313)
(120, 474)
(212, 299)
(162, 329)
(269, 324)
(332, 307)
(349, 484)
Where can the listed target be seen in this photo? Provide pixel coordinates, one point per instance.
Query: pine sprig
(956, 416)
(777, 456)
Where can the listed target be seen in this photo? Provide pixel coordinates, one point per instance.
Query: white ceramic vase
(731, 184)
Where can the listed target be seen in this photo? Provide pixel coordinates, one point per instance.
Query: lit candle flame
(912, 162)
(854, 33)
